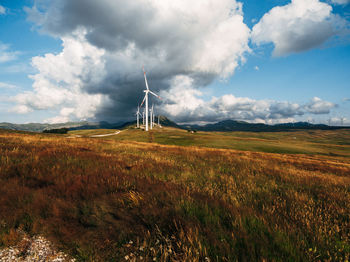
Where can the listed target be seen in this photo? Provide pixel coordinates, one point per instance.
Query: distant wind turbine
(145, 99)
(138, 114)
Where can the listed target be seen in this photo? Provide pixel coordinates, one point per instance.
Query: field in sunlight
(327, 143)
(170, 195)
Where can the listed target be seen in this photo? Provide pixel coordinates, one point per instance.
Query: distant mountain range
(37, 127)
(222, 126)
(232, 125)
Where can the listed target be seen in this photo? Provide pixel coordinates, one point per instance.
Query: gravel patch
(36, 249)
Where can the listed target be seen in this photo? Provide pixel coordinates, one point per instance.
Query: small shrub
(57, 131)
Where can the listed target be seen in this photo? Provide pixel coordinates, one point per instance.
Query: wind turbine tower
(143, 117)
(151, 117)
(145, 99)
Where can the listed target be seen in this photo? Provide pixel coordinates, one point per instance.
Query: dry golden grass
(110, 200)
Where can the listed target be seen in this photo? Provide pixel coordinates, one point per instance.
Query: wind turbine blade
(155, 95)
(144, 74)
(143, 100)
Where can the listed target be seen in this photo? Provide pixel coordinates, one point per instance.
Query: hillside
(222, 126)
(38, 127)
(232, 125)
(115, 199)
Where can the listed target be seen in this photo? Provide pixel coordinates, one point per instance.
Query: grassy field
(169, 195)
(327, 143)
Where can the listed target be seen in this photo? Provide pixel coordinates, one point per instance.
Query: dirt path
(115, 133)
(74, 136)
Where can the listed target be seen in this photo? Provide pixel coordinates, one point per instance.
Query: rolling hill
(223, 126)
(232, 125)
(39, 127)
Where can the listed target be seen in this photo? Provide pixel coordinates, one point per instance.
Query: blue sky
(314, 81)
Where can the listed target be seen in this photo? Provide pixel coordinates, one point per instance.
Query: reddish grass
(92, 197)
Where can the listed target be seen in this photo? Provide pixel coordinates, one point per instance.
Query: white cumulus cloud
(297, 26)
(59, 82)
(318, 106)
(186, 104)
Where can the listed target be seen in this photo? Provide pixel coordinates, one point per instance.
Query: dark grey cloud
(170, 38)
(285, 110)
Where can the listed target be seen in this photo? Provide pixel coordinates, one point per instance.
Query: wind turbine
(145, 99)
(138, 116)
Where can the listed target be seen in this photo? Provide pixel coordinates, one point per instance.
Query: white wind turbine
(145, 99)
(138, 114)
